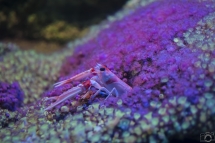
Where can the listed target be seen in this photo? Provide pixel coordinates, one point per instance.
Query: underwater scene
(136, 71)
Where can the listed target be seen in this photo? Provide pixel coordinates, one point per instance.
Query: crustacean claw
(68, 94)
(76, 77)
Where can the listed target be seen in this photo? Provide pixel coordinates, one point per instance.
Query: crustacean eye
(102, 69)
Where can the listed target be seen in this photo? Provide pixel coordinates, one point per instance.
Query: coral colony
(164, 51)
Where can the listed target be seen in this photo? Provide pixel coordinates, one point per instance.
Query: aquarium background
(163, 49)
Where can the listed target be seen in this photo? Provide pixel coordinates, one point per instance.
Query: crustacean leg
(104, 89)
(101, 88)
(113, 90)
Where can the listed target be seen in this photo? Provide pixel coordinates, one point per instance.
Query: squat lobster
(103, 80)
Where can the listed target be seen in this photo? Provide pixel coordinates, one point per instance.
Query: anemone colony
(11, 96)
(164, 50)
